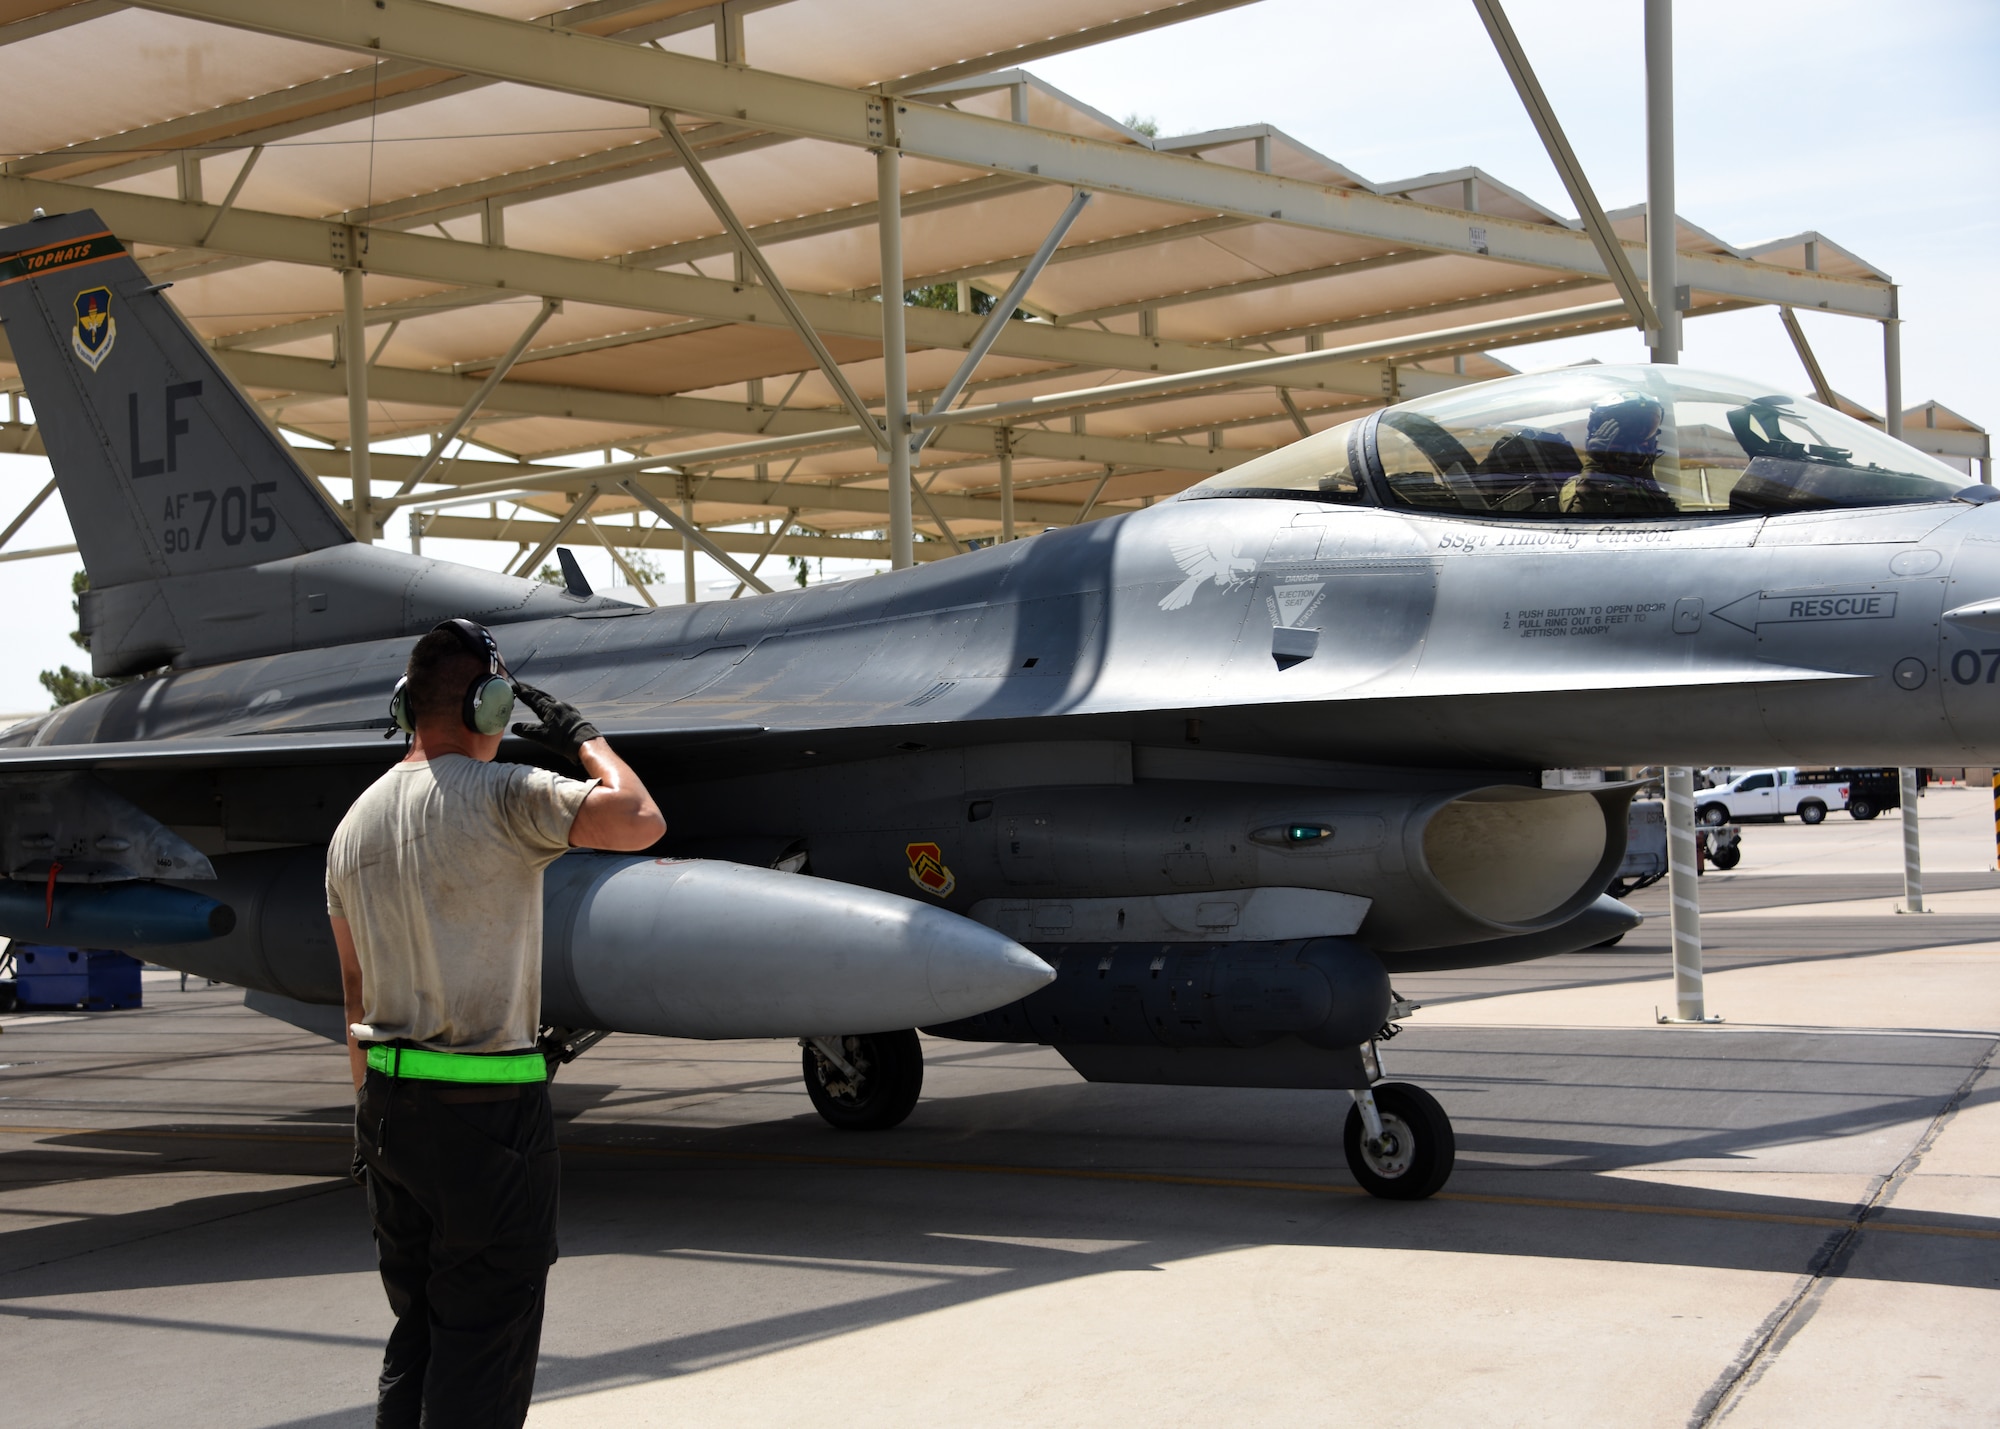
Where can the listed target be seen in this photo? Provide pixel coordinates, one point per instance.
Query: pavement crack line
(1783, 1324)
(307, 1193)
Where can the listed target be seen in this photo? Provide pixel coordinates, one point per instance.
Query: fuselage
(1436, 641)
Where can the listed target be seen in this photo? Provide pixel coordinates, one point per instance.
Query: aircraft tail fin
(165, 467)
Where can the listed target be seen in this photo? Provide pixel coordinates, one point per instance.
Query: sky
(1876, 123)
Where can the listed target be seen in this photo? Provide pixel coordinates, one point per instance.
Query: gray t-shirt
(438, 871)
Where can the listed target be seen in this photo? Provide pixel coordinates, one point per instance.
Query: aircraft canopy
(1601, 441)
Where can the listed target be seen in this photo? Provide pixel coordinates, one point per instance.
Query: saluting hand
(563, 727)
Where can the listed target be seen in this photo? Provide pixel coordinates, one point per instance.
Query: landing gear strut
(864, 1082)
(1398, 1141)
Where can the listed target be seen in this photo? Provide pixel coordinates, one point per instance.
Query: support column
(895, 357)
(1892, 370)
(688, 591)
(1913, 847)
(1004, 440)
(1684, 897)
(1660, 235)
(354, 359)
(1996, 816)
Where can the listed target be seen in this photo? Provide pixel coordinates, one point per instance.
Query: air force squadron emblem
(96, 330)
(1208, 555)
(927, 869)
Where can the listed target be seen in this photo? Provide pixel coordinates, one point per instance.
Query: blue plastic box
(47, 976)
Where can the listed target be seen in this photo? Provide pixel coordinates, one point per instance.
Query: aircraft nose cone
(972, 969)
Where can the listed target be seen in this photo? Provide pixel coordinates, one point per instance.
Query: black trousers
(462, 1187)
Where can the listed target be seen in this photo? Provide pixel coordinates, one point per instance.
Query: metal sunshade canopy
(493, 181)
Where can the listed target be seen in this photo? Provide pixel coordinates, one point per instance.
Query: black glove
(563, 727)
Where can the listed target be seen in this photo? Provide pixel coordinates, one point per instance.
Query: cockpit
(1599, 442)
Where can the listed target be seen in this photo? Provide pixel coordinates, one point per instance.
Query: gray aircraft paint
(1116, 682)
(205, 539)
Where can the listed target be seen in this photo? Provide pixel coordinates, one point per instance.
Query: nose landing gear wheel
(1414, 1158)
(888, 1074)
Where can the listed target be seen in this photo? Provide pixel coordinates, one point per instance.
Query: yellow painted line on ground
(1079, 1173)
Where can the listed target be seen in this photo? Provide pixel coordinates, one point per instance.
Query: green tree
(67, 686)
(944, 296)
(1144, 123)
(78, 584)
(643, 567)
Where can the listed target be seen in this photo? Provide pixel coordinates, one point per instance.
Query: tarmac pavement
(1790, 1218)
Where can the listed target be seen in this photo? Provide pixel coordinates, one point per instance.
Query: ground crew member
(434, 885)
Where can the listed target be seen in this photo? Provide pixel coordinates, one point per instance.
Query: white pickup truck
(1768, 794)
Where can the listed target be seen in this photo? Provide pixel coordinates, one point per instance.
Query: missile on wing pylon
(110, 915)
(700, 948)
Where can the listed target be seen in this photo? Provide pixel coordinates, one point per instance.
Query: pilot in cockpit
(1621, 443)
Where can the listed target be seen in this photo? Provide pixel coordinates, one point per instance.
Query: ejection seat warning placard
(1556, 622)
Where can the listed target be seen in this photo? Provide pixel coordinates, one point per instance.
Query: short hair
(441, 669)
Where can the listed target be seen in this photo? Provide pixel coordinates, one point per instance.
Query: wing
(253, 751)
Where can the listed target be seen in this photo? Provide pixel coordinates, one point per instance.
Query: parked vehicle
(1770, 795)
(1869, 791)
(1645, 848)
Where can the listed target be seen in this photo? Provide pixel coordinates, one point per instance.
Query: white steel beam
(1822, 389)
(36, 552)
(502, 480)
(634, 410)
(1662, 229)
(1248, 285)
(449, 37)
(34, 505)
(747, 246)
(656, 538)
(619, 561)
(1170, 14)
(569, 518)
(1003, 312)
(1892, 374)
(1543, 114)
(359, 93)
(895, 356)
(1267, 369)
(478, 399)
(283, 238)
(354, 376)
(56, 16)
(693, 533)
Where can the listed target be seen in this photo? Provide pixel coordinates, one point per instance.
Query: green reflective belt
(425, 1065)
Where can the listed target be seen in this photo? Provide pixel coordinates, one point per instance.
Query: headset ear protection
(489, 699)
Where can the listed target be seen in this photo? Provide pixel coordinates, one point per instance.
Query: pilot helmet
(1625, 425)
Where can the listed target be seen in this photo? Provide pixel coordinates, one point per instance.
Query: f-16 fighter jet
(1226, 765)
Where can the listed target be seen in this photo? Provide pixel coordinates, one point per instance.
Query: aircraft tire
(892, 1075)
(1420, 1162)
(1726, 858)
(1812, 813)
